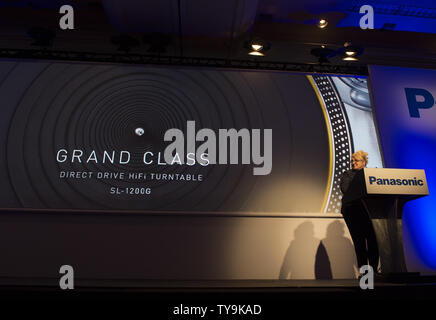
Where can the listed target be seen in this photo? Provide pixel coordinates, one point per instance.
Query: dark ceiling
(404, 34)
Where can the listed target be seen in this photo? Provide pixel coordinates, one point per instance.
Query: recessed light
(256, 53)
(256, 46)
(350, 52)
(322, 23)
(350, 59)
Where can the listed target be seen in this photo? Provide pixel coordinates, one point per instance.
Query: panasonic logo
(396, 182)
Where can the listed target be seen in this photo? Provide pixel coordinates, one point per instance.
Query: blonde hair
(361, 155)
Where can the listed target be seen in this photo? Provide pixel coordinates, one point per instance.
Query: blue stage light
(414, 151)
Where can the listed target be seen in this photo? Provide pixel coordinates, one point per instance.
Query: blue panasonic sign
(406, 115)
(426, 100)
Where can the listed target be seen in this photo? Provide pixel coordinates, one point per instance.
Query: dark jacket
(346, 179)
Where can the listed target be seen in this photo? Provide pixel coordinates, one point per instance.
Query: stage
(419, 288)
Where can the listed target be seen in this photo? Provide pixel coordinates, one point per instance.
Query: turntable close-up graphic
(95, 111)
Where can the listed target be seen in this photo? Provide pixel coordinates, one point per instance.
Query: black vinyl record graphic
(92, 107)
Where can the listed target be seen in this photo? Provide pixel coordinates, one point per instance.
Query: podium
(383, 193)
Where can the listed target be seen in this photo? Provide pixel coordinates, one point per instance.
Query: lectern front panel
(395, 181)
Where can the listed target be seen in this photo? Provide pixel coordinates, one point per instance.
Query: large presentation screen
(106, 137)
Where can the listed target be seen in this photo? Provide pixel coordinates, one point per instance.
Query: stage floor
(114, 287)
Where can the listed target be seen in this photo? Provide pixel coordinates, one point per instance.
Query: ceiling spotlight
(257, 47)
(350, 59)
(256, 53)
(322, 23)
(350, 52)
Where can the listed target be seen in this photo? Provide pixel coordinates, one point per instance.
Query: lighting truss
(44, 54)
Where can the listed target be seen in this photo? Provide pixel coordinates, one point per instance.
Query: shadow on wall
(300, 256)
(310, 258)
(335, 257)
